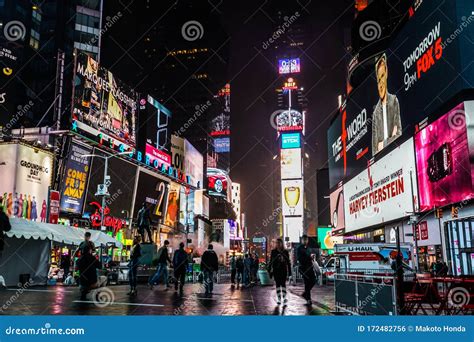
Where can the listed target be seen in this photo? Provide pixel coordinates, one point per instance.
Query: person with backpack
(180, 265)
(135, 255)
(280, 269)
(162, 267)
(209, 265)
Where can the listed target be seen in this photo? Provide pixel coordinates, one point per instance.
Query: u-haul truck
(373, 257)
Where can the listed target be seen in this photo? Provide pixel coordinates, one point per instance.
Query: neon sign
(109, 221)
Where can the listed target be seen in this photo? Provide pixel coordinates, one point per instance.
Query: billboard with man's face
(423, 69)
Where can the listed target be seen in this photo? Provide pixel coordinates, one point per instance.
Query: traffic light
(438, 213)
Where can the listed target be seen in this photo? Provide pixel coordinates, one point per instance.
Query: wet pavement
(113, 300)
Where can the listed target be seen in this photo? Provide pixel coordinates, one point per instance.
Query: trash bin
(264, 278)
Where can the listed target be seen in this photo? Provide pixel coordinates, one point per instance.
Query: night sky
(252, 72)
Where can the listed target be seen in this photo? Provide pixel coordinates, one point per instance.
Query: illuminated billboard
(102, 105)
(76, 174)
(218, 182)
(290, 120)
(382, 192)
(291, 163)
(222, 145)
(292, 197)
(289, 66)
(26, 175)
(290, 140)
(336, 204)
(154, 123)
(420, 72)
(293, 228)
(444, 159)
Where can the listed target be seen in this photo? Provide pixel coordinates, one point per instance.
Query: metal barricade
(357, 293)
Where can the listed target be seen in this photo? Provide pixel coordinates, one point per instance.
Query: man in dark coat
(209, 265)
(88, 266)
(306, 268)
(180, 265)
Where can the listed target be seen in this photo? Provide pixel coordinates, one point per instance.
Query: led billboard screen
(382, 192)
(102, 104)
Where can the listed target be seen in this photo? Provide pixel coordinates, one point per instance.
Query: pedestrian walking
(88, 266)
(280, 269)
(85, 245)
(239, 264)
(247, 269)
(255, 265)
(180, 265)
(135, 255)
(209, 265)
(144, 220)
(162, 266)
(306, 268)
(233, 268)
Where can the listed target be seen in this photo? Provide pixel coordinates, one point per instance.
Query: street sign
(102, 190)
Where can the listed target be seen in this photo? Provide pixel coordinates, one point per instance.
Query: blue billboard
(290, 140)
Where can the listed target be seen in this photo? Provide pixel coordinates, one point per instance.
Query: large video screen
(382, 192)
(154, 123)
(422, 70)
(291, 163)
(292, 197)
(445, 172)
(102, 104)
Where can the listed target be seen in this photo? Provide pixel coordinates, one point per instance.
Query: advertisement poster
(177, 153)
(326, 240)
(54, 206)
(290, 120)
(193, 164)
(172, 205)
(75, 179)
(292, 197)
(218, 182)
(151, 190)
(25, 185)
(336, 204)
(293, 228)
(290, 140)
(291, 163)
(120, 185)
(443, 160)
(407, 85)
(102, 103)
(382, 193)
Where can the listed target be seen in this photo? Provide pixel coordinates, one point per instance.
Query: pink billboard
(442, 160)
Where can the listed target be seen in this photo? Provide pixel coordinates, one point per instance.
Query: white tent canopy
(22, 228)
